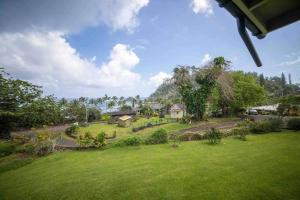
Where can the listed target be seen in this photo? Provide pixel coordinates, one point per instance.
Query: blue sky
(153, 36)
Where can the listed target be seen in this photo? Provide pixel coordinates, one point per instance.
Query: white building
(178, 111)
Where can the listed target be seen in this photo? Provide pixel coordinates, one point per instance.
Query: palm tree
(121, 101)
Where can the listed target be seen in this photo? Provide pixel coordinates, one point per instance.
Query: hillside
(167, 90)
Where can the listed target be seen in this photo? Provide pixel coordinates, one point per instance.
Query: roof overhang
(261, 17)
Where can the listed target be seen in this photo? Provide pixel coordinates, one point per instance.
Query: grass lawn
(263, 167)
(109, 129)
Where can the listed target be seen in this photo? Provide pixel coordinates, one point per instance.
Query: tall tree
(196, 86)
(290, 79)
(261, 79)
(283, 80)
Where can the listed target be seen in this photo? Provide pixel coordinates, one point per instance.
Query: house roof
(156, 106)
(178, 106)
(125, 117)
(121, 113)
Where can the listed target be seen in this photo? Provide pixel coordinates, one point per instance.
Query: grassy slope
(264, 167)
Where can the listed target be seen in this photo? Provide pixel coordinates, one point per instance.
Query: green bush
(130, 141)
(72, 130)
(6, 148)
(43, 148)
(99, 141)
(189, 136)
(105, 117)
(240, 133)
(214, 136)
(294, 124)
(86, 140)
(158, 137)
(265, 126)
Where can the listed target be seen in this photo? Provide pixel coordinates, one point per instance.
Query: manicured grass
(263, 167)
(109, 129)
(122, 132)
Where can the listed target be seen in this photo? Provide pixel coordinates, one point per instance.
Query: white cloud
(202, 6)
(290, 62)
(68, 15)
(158, 79)
(48, 59)
(206, 58)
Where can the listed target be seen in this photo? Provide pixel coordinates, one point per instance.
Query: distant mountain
(167, 90)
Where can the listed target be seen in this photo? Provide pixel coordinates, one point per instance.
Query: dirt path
(207, 126)
(62, 142)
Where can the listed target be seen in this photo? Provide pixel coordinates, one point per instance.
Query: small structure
(156, 107)
(124, 121)
(177, 111)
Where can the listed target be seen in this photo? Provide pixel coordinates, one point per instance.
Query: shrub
(241, 133)
(187, 119)
(99, 141)
(214, 136)
(158, 137)
(130, 141)
(86, 140)
(294, 124)
(175, 140)
(6, 148)
(265, 126)
(43, 144)
(105, 117)
(43, 148)
(72, 130)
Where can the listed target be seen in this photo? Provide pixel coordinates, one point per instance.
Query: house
(177, 111)
(114, 116)
(156, 107)
(124, 121)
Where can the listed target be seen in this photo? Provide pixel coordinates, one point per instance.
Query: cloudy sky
(126, 47)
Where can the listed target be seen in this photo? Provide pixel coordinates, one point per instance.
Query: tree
(14, 96)
(247, 92)
(261, 80)
(290, 79)
(195, 85)
(283, 80)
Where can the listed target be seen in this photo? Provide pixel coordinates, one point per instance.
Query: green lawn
(264, 167)
(109, 129)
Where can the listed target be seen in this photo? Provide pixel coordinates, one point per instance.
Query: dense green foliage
(160, 136)
(89, 141)
(264, 167)
(214, 136)
(247, 92)
(294, 124)
(266, 126)
(130, 141)
(72, 130)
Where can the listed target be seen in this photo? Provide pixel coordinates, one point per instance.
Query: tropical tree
(247, 92)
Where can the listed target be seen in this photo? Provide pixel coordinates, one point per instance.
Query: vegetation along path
(207, 126)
